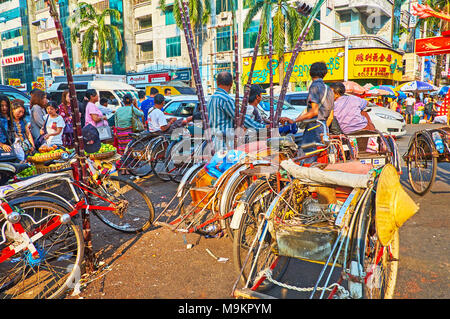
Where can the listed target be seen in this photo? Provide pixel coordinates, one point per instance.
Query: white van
(113, 91)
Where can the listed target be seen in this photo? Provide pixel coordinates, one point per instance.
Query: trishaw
(344, 218)
(426, 148)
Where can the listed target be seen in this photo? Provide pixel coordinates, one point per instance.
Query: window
(345, 17)
(110, 97)
(173, 47)
(11, 34)
(13, 50)
(250, 35)
(145, 23)
(223, 41)
(316, 26)
(10, 14)
(172, 108)
(187, 109)
(146, 51)
(223, 5)
(170, 19)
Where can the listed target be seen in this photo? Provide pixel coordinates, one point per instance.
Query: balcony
(138, 2)
(143, 36)
(143, 10)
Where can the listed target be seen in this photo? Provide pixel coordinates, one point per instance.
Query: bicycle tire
(137, 167)
(175, 170)
(158, 156)
(417, 156)
(59, 266)
(139, 219)
(254, 192)
(232, 198)
(380, 276)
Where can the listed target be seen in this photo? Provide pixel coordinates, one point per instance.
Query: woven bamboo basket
(41, 169)
(42, 159)
(102, 156)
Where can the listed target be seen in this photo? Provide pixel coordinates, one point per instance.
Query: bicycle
(422, 158)
(115, 200)
(41, 247)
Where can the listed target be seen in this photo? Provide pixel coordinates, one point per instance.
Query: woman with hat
(123, 119)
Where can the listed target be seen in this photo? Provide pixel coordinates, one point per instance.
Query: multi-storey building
(19, 65)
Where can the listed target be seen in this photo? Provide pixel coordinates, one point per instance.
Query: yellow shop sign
(332, 57)
(363, 64)
(375, 64)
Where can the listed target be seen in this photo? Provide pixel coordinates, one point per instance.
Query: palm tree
(99, 38)
(287, 25)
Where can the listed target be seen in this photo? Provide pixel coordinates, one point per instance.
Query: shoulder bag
(136, 122)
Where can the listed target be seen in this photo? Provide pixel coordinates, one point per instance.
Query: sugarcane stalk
(236, 67)
(78, 140)
(250, 75)
(295, 53)
(271, 76)
(184, 13)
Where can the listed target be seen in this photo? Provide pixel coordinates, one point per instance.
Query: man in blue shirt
(149, 102)
(221, 110)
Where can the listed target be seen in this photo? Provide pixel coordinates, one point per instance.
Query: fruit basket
(105, 151)
(42, 157)
(30, 171)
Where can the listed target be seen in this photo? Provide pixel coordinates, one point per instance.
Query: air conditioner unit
(223, 16)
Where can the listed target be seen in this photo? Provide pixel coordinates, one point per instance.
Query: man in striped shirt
(221, 111)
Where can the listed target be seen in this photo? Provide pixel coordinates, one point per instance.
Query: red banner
(432, 46)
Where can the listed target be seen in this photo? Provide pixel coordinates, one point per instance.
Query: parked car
(297, 98)
(113, 91)
(13, 93)
(386, 121)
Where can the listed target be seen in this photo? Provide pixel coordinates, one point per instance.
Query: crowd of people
(23, 132)
(412, 105)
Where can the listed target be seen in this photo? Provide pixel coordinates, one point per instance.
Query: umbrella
(443, 90)
(417, 86)
(388, 88)
(401, 95)
(354, 88)
(378, 92)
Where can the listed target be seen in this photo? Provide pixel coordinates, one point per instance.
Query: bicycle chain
(341, 290)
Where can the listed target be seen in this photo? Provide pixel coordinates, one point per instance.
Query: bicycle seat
(15, 168)
(39, 179)
(282, 142)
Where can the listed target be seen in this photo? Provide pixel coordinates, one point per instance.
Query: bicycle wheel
(133, 210)
(179, 159)
(158, 158)
(136, 158)
(422, 166)
(230, 200)
(60, 255)
(257, 199)
(380, 264)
